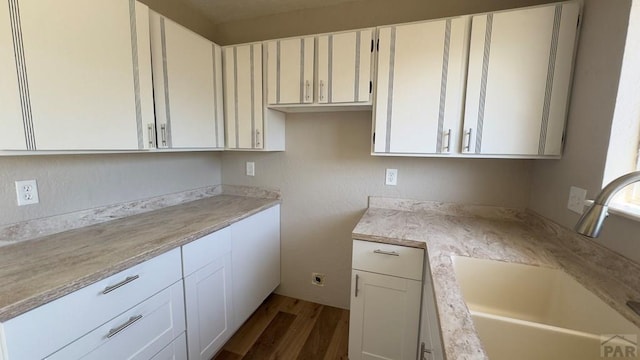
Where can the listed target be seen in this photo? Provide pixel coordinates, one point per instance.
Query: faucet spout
(590, 224)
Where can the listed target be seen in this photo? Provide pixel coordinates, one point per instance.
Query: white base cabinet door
(384, 317)
(255, 243)
(208, 294)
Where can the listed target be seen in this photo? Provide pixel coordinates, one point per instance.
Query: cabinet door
(188, 87)
(344, 67)
(290, 64)
(81, 66)
(384, 317)
(208, 304)
(177, 350)
(419, 86)
(243, 101)
(255, 249)
(13, 135)
(519, 80)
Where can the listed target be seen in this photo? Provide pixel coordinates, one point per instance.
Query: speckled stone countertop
(37, 271)
(445, 230)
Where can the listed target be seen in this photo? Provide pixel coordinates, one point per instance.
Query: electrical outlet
(251, 168)
(317, 279)
(391, 177)
(576, 199)
(27, 192)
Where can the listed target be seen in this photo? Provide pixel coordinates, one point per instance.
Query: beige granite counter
(500, 234)
(37, 271)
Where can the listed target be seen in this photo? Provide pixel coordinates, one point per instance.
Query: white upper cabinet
(290, 64)
(520, 66)
(80, 76)
(344, 67)
(249, 125)
(419, 87)
(187, 83)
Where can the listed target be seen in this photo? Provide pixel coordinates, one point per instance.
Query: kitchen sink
(528, 312)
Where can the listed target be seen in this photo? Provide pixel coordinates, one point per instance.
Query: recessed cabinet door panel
(518, 81)
(384, 317)
(243, 100)
(419, 86)
(185, 66)
(344, 67)
(12, 121)
(290, 65)
(82, 64)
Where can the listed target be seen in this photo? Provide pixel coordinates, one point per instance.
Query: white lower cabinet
(385, 309)
(177, 350)
(255, 255)
(138, 333)
(207, 284)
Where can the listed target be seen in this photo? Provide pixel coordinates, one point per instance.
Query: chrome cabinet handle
(152, 136)
(357, 278)
(467, 147)
(122, 283)
(447, 148)
(382, 252)
(132, 320)
(163, 130)
(307, 85)
(258, 138)
(321, 90)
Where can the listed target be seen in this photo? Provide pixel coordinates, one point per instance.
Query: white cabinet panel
(344, 67)
(248, 124)
(12, 136)
(384, 317)
(188, 87)
(138, 333)
(519, 80)
(83, 71)
(290, 65)
(207, 283)
(255, 252)
(419, 86)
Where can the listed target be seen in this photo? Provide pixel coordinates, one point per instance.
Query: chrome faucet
(591, 221)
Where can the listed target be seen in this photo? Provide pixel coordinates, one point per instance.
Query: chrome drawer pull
(124, 282)
(113, 332)
(392, 253)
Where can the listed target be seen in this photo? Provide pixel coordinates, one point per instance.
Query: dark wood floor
(284, 328)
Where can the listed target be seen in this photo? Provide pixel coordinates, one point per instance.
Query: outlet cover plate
(251, 168)
(576, 199)
(391, 177)
(27, 192)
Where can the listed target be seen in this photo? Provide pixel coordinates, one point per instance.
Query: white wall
(595, 89)
(325, 177)
(76, 182)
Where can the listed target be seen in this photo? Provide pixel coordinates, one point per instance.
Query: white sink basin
(527, 312)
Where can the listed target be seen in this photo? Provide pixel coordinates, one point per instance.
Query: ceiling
(219, 11)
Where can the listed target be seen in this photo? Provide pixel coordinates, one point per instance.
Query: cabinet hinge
(378, 45)
(370, 87)
(371, 45)
(578, 24)
(374, 138)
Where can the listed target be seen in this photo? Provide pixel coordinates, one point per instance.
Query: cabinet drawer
(388, 259)
(201, 252)
(177, 350)
(138, 333)
(60, 322)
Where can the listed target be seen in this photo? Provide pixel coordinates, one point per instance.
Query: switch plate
(27, 192)
(391, 177)
(576, 199)
(251, 168)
